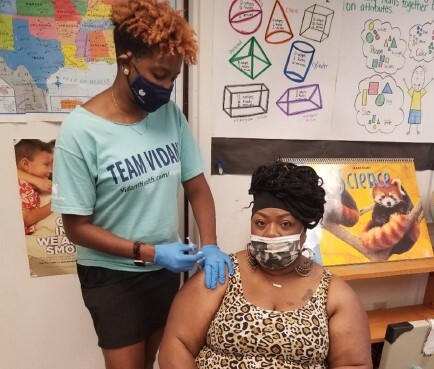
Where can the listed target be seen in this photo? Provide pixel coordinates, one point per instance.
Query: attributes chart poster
(373, 211)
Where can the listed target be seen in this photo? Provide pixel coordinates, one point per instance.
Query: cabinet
(378, 319)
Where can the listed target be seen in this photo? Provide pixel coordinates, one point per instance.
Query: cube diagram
(316, 24)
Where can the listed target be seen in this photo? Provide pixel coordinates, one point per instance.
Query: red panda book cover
(373, 211)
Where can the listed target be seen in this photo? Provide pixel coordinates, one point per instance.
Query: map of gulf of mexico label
(54, 55)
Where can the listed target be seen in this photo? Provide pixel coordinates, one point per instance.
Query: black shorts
(126, 307)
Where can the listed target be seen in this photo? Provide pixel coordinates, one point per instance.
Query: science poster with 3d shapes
(373, 211)
(48, 249)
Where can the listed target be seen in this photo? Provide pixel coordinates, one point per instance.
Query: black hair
(27, 148)
(297, 186)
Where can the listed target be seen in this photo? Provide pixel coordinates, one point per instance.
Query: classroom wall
(43, 322)
(230, 191)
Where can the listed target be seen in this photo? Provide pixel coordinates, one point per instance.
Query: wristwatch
(136, 254)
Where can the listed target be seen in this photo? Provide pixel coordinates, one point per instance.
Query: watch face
(139, 263)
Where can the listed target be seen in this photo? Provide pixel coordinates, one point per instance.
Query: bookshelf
(379, 319)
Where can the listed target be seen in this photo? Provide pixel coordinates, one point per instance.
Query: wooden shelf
(379, 319)
(388, 269)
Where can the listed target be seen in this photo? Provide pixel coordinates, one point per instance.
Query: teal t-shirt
(127, 176)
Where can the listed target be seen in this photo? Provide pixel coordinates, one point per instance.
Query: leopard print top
(245, 336)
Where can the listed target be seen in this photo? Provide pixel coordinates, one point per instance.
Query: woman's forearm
(81, 231)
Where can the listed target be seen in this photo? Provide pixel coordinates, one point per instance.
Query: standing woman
(119, 162)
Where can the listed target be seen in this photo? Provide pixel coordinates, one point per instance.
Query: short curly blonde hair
(145, 26)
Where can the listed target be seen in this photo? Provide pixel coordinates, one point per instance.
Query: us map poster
(373, 212)
(54, 55)
(49, 251)
(324, 70)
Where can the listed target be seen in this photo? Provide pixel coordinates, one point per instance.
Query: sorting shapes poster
(384, 89)
(324, 70)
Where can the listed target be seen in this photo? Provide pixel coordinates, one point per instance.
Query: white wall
(230, 191)
(43, 322)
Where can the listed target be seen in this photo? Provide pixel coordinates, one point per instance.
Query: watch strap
(136, 254)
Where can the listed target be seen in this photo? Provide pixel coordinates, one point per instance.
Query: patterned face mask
(275, 252)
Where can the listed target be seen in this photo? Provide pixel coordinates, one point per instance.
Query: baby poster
(49, 250)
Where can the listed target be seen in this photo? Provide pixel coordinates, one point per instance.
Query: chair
(404, 344)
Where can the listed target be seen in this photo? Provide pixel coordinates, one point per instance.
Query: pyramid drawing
(251, 59)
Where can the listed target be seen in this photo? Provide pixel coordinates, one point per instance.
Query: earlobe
(124, 60)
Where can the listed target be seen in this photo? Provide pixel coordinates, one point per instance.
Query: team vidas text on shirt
(140, 163)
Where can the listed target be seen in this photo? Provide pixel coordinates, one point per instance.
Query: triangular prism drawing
(251, 59)
(393, 46)
(278, 29)
(299, 100)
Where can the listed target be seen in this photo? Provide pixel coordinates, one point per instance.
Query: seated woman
(279, 309)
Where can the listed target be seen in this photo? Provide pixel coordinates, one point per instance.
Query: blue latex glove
(215, 265)
(173, 257)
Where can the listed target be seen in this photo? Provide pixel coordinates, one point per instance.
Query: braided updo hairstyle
(146, 26)
(299, 188)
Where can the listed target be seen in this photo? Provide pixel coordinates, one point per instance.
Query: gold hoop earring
(253, 263)
(126, 71)
(305, 268)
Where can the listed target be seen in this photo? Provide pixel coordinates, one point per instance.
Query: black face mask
(147, 95)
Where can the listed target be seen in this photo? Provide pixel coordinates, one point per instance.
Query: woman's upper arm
(350, 343)
(195, 184)
(73, 222)
(190, 316)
